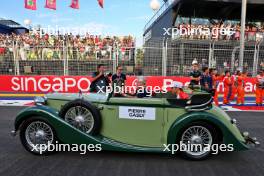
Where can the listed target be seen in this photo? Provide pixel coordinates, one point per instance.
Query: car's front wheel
(197, 139)
(36, 135)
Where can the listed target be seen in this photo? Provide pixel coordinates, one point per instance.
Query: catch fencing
(157, 57)
(174, 57)
(63, 60)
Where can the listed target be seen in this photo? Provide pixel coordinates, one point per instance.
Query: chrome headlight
(40, 100)
(234, 121)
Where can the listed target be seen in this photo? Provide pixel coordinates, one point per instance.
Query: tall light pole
(242, 35)
(27, 23)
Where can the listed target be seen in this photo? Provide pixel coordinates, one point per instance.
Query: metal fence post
(115, 59)
(111, 48)
(211, 55)
(16, 61)
(242, 33)
(164, 57)
(233, 58)
(14, 57)
(135, 56)
(65, 59)
(182, 57)
(255, 63)
(256, 58)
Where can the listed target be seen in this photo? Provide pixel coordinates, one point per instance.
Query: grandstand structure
(10, 26)
(170, 53)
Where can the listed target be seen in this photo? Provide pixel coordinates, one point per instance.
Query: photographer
(100, 81)
(119, 76)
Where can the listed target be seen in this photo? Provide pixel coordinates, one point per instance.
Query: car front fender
(231, 134)
(36, 111)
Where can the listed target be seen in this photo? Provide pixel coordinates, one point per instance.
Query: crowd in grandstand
(230, 32)
(33, 46)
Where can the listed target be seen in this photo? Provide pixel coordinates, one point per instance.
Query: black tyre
(82, 115)
(202, 134)
(36, 134)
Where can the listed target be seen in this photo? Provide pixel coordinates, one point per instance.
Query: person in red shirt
(240, 83)
(2, 51)
(228, 84)
(217, 78)
(260, 88)
(177, 91)
(234, 88)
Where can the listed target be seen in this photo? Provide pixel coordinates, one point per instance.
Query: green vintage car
(154, 124)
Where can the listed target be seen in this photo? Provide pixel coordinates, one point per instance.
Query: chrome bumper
(250, 140)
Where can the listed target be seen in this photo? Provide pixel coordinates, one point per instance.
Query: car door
(134, 121)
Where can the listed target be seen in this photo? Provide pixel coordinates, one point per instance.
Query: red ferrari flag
(31, 4)
(75, 4)
(51, 4)
(101, 3)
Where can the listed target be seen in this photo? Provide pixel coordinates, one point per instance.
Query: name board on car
(137, 113)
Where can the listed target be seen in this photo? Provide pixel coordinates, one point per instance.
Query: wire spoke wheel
(198, 138)
(81, 118)
(39, 134)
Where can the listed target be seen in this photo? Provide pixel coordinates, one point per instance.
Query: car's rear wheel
(198, 137)
(36, 134)
(82, 115)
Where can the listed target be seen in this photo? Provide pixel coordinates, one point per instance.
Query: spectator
(119, 76)
(2, 51)
(195, 74)
(177, 91)
(252, 33)
(206, 80)
(142, 91)
(33, 45)
(119, 80)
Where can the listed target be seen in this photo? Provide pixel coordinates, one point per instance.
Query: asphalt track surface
(15, 161)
